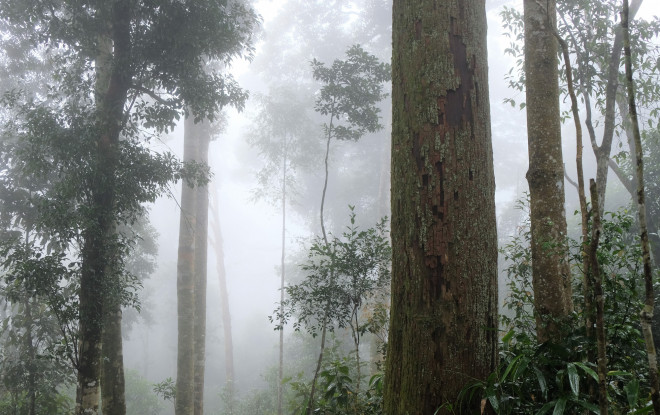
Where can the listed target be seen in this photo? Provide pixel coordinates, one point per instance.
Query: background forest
(134, 133)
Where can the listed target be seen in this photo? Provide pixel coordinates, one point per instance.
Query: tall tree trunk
(201, 133)
(31, 358)
(98, 251)
(112, 362)
(647, 312)
(218, 248)
(443, 329)
(592, 271)
(280, 371)
(185, 385)
(551, 277)
(324, 323)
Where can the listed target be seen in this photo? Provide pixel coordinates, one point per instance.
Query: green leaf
(511, 366)
(507, 337)
(492, 398)
(589, 371)
(589, 406)
(645, 410)
(542, 382)
(573, 378)
(546, 408)
(560, 407)
(632, 392)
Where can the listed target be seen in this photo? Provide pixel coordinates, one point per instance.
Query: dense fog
(291, 35)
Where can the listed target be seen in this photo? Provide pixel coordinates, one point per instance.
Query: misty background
(293, 33)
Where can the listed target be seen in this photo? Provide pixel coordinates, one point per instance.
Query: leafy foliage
(338, 393)
(350, 90)
(557, 375)
(141, 397)
(342, 276)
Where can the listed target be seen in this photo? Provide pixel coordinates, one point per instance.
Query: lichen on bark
(444, 272)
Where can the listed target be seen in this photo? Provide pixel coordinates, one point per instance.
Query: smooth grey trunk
(280, 371)
(218, 249)
(185, 383)
(551, 278)
(201, 133)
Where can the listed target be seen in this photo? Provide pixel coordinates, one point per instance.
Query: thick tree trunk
(443, 330)
(202, 134)
(112, 362)
(550, 269)
(98, 252)
(185, 385)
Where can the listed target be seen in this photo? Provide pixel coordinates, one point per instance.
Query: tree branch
(154, 96)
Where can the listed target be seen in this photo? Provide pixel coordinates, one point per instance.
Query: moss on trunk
(443, 332)
(550, 269)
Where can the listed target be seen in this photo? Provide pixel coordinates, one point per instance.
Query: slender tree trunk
(647, 312)
(224, 292)
(443, 328)
(280, 371)
(31, 358)
(319, 362)
(185, 382)
(112, 362)
(202, 134)
(324, 323)
(98, 251)
(603, 151)
(551, 277)
(594, 273)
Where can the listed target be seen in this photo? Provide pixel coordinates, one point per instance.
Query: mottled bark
(112, 362)
(185, 385)
(551, 277)
(202, 133)
(98, 251)
(443, 329)
(647, 311)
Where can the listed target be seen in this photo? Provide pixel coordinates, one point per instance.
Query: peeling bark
(443, 328)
